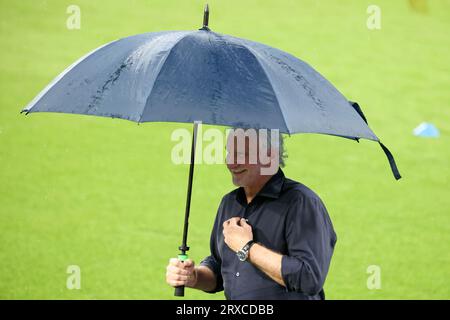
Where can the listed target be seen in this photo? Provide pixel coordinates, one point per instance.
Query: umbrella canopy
(191, 76)
(184, 76)
(187, 76)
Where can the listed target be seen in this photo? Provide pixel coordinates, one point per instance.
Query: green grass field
(103, 194)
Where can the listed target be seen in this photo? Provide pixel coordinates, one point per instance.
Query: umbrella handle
(179, 291)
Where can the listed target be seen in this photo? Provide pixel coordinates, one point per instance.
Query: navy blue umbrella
(189, 76)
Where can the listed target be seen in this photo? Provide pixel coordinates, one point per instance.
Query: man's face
(243, 160)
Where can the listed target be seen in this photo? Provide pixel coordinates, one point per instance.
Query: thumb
(188, 263)
(245, 224)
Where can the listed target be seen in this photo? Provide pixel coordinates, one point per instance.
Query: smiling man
(272, 237)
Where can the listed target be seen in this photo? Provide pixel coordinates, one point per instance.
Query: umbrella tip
(205, 18)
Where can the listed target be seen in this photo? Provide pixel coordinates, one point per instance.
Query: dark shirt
(286, 217)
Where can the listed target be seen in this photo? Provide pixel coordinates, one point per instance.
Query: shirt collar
(271, 189)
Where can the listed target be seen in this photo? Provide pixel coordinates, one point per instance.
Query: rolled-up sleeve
(310, 243)
(214, 261)
(214, 265)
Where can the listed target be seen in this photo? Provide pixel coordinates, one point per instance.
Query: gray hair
(282, 154)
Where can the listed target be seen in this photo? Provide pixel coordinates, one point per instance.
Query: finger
(179, 263)
(245, 224)
(234, 221)
(177, 271)
(190, 269)
(188, 263)
(175, 262)
(226, 224)
(175, 277)
(175, 283)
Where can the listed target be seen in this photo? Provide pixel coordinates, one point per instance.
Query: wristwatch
(243, 253)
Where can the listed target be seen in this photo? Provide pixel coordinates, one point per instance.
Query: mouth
(238, 172)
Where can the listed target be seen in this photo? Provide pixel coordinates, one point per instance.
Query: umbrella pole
(179, 291)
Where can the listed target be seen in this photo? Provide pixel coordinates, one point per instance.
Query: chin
(237, 182)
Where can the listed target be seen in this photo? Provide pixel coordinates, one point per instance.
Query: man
(272, 237)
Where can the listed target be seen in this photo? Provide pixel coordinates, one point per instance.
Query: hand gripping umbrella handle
(179, 291)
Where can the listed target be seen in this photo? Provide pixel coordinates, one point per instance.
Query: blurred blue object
(427, 130)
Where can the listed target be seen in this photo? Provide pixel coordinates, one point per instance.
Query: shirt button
(237, 274)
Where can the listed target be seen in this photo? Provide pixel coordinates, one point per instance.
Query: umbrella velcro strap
(358, 109)
(391, 161)
(388, 154)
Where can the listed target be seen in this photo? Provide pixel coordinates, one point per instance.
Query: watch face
(241, 255)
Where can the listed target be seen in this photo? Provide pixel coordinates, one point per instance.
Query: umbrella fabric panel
(308, 101)
(113, 81)
(184, 76)
(211, 78)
